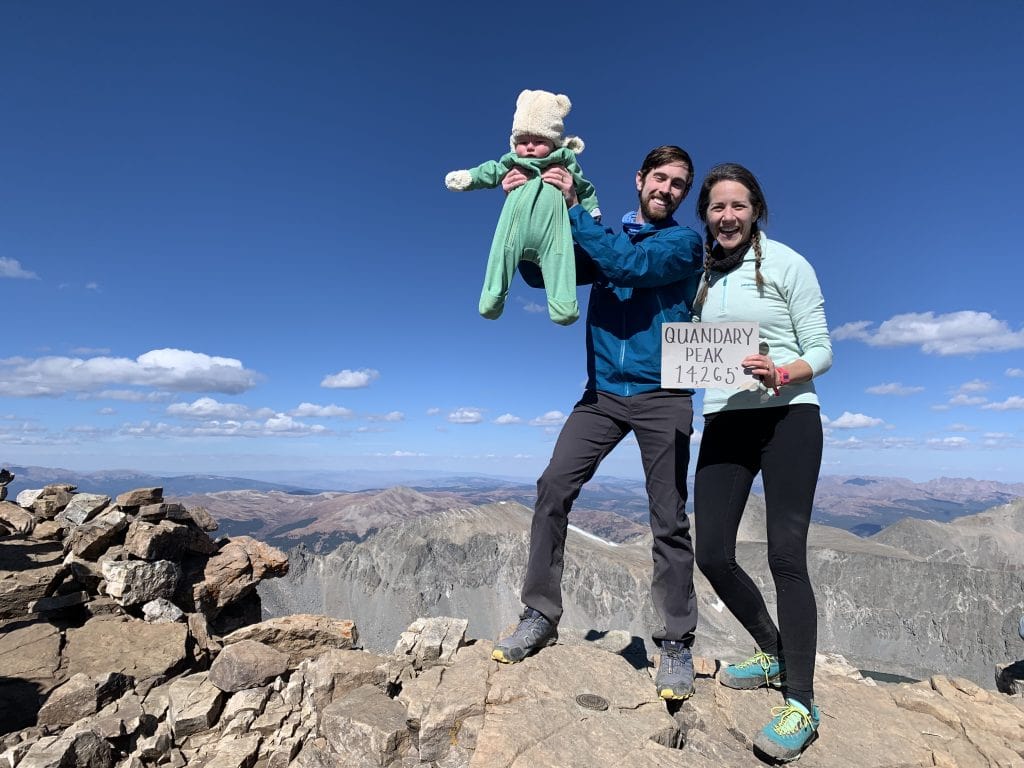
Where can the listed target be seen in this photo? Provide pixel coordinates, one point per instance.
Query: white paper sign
(702, 355)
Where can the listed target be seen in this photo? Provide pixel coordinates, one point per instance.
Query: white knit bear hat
(540, 113)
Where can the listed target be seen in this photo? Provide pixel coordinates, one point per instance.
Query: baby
(533, 225)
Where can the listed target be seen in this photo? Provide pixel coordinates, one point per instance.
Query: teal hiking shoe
(533, 633)
(674, 679)
(761, 669)
(790, 732)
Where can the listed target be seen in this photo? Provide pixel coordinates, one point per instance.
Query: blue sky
(226, 246)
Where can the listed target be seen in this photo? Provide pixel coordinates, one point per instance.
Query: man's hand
(561, 179)
(514, 179)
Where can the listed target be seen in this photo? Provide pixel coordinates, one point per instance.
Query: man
(643, 277)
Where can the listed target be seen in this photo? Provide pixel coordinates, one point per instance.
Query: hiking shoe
(790, 732)
(761, 669)
(533, 633)
(674, 679)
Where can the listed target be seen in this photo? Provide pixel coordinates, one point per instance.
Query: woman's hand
(762, 367)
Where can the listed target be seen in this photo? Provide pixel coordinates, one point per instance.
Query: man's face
(662, 190)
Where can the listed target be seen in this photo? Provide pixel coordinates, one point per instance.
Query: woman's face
(730, 215)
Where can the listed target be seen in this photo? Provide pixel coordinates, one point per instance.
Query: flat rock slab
(235, 571)
(365, 727)
(83, 507)
(72, 749)
(236, 753)
(97, 536)
(300, 636)
(194, 704)
(335, 673)
(430, 641)
(166, 540)
(443, 699)
(533, 717)
(136, 648)
(17, 519)
(246, 664)
(27, 571)
(29, 669)
(140, 497)
(133, 582)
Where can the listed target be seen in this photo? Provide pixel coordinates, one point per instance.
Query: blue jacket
(640, 280)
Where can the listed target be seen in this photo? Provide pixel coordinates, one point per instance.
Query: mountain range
(886, 606)
(613, 508)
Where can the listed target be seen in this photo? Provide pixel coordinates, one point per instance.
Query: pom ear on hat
(540, 113)
(575, 143)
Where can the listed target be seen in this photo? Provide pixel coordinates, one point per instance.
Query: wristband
(781, 378)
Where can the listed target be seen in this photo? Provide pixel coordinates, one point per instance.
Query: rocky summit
(101, 666)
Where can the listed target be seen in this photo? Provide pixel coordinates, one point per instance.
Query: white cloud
(955, 333)
(857, 331)
(974, 385)
(209, 408)
(284, 424)
(854, 421)
(404, 454)
(1014, 403)
(174, 369)
(278, 425)
(958, 427)
(92, 286)
(433, 411)
(893, 388)
(347, 379)
(508, 418)
(1015, 373)
(311, 410)
(12, 268)
(948, 443)
(107, 411)
(88, 430)
(534, 308)
(127, 395)
(967, 400)
(466, 416)
(850, 442)
(549, 419)
(898, 442)
(389, 416)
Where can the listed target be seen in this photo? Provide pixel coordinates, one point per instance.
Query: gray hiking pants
(662, 422)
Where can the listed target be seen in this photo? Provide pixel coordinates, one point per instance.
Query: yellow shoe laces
(763, 660)
(790, 720)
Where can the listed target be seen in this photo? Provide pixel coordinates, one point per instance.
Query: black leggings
(784, 443)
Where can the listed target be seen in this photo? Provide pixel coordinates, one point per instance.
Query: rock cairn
(132, 586)
(138, 652)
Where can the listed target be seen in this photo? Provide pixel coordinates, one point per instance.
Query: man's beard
(658, 214)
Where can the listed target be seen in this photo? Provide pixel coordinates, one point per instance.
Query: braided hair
(739, 174)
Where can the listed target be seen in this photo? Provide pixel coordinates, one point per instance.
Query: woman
(773, 428)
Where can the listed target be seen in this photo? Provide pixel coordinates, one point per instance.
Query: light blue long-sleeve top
(791, 312)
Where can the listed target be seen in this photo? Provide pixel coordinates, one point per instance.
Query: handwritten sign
(701, 355)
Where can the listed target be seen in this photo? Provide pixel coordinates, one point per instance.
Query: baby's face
(534, 146)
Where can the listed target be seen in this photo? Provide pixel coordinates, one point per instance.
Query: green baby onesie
(533, 226)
